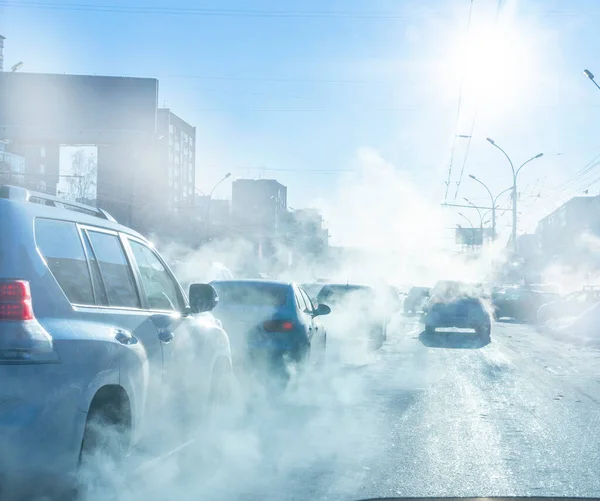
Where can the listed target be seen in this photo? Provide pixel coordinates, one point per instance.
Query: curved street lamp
(208, 205)
(515, 173)
(590, 75)
(470, 224)
(478, 211)
(494, 201)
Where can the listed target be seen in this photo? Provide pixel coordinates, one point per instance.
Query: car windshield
(251, 294)
(299, 250)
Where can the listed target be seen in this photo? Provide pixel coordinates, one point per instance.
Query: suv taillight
(23, 340)
(15, 301)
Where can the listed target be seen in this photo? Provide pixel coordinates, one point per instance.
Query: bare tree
(83, 181)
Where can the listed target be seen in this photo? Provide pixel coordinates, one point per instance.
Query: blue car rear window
(251, 294)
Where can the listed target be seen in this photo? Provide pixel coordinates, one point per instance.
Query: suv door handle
(165, 336)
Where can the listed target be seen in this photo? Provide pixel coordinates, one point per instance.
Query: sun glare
(495, 62)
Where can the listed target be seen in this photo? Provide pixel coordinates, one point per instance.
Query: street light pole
(472, 227)
(493, 204)
(590, 75)
(515, 173)
(478, 212)
(208, 205)
(494, 201)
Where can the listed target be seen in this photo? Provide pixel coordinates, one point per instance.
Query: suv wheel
(106, 439)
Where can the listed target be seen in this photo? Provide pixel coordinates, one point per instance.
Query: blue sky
(304, 94)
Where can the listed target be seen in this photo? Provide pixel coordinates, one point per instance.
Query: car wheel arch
(111, 404)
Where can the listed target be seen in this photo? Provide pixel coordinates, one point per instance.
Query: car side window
(307, 301)
(160, 287)
(299, 301)
(115, 269)
(97, 281)
(61, 247)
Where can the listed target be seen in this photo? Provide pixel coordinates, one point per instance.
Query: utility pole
(494, 201)
(208, 205)
(515, 173)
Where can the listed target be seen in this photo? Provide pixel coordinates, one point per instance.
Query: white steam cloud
(268, 442)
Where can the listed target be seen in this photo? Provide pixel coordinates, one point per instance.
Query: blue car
(459, 305)
(270, 321)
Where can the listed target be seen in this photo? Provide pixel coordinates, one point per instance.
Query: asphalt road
(440, 416)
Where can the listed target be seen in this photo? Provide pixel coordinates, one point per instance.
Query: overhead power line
(212, 12)
(475, 113)
(458, 107)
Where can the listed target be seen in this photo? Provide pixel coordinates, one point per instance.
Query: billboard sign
(469, 236)
(75, 109)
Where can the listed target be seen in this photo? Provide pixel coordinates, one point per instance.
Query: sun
(495, 62)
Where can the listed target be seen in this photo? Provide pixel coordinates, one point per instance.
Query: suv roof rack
(23, 195)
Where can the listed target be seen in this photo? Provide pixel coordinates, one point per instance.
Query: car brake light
(15, 301)
(23, 340)
(278, 325)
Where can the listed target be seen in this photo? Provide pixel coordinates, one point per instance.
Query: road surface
(440, 416)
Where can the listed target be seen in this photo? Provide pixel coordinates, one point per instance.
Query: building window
(171, 128)
(43, 152)
(42, 169)
(42, 185)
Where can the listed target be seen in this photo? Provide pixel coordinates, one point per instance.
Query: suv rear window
(61, 246)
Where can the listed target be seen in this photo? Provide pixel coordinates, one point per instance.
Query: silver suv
(94, 328)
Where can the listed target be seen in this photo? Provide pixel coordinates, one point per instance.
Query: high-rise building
(12, 166)
(258, 205)
(2, 52)
(177, 152)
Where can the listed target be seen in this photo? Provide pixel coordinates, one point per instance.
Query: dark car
(520, 302)
(459, 305)
(312, 289)
(358, 308)
(417, 298)
(270, 322)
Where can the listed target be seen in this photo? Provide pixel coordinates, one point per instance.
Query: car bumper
(457, 321)
(41, 428)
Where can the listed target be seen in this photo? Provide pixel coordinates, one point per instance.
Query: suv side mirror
(203, 297)
(322, 309)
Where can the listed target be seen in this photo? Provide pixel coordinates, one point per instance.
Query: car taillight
(15, 301)
(278, 325)
(23, 340)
